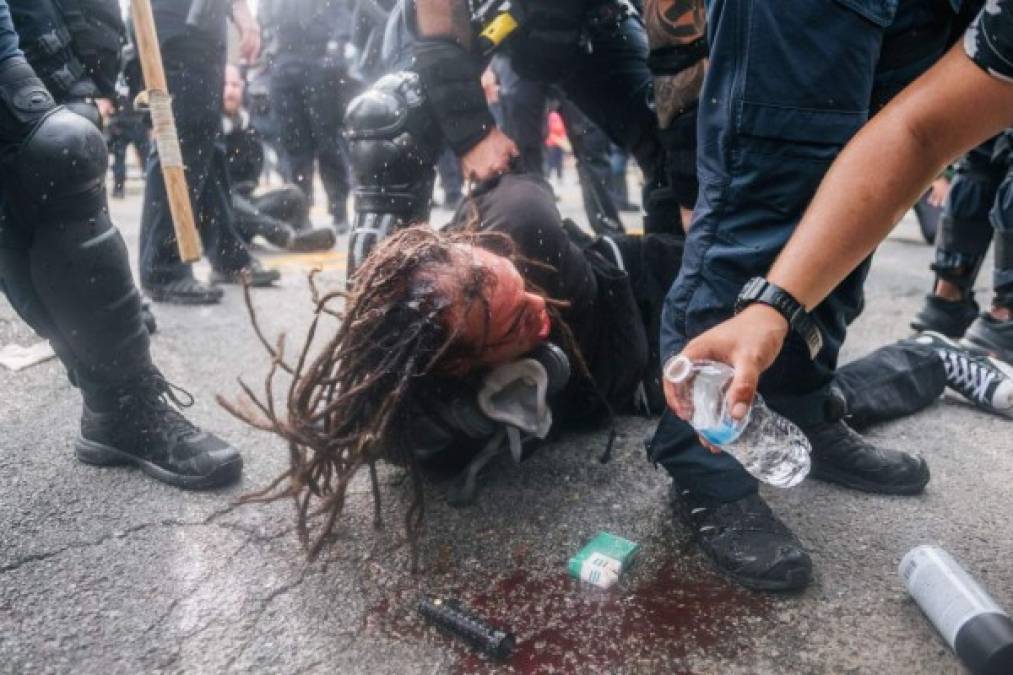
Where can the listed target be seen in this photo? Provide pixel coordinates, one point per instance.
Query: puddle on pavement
(657, 615)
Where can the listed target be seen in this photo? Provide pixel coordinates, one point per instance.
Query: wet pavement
(106, 571)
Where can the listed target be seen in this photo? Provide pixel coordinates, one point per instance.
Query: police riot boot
(841, 455)
(745, 541)
(137, 423)
(948, 317)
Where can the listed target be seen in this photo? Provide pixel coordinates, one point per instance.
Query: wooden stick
(187, 238)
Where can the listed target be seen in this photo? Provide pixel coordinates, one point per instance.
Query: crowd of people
(778, 142)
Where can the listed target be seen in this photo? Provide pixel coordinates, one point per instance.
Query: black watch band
(760, 290)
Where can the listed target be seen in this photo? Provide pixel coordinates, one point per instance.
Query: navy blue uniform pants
(789, 83)
(196, 78)
(308, 102)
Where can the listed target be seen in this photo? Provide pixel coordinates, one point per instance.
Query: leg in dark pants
(303, 93)
(196, 85)
(965, 230)
(613, 87)
(591, 150)
(523, 103)
(288, 82)
(449, 169)
(118, 144)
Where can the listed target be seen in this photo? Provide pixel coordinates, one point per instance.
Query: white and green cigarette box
(603, 559)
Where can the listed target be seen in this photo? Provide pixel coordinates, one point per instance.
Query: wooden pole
(160, 103)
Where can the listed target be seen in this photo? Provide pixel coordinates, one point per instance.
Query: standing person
(192, 37)
(64, 268)
(978, 210)
(787, 85)
(310, 86)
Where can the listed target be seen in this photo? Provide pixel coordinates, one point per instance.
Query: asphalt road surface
(107, 571)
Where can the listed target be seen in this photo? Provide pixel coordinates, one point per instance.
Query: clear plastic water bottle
(769, 446)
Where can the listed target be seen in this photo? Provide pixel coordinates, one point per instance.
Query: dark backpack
(97, 38)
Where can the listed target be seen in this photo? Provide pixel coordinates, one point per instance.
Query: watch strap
(760, 290)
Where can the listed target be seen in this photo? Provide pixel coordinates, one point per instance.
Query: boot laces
(157, 402)
(972, 376)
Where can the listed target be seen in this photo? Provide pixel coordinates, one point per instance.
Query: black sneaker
(319, 239)
(260, 276)
(142, 427)
(745, 541)
(990, 336)
(982, 380)
(184, 292)
(949, 317)
(841, 455)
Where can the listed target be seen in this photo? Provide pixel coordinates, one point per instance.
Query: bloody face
(517, 320)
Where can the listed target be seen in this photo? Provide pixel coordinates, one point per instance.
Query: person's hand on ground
(748, 342)
(491, 157)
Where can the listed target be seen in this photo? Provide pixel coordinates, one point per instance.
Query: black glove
(451, 78)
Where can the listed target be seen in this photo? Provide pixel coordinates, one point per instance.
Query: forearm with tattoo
(675, 23)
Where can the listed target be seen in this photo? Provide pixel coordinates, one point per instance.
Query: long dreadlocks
(343, 404)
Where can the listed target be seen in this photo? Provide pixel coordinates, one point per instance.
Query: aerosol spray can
(968, 619)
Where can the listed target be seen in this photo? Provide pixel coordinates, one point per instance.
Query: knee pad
(62, 165)
(394, 144)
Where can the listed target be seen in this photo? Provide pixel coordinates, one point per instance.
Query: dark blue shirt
(989, 40)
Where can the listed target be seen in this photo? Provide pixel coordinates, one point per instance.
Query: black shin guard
(77, 260)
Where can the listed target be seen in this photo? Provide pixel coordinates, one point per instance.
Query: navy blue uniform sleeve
(8, 37)
(989, 40)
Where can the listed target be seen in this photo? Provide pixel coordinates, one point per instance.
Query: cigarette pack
(603, 560)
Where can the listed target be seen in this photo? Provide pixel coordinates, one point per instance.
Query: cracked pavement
(103, 570)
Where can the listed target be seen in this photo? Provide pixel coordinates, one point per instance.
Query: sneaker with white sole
(984, 381)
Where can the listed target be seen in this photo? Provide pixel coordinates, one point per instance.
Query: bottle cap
(985, 644)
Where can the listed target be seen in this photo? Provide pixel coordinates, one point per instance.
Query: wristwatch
(760, 290)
